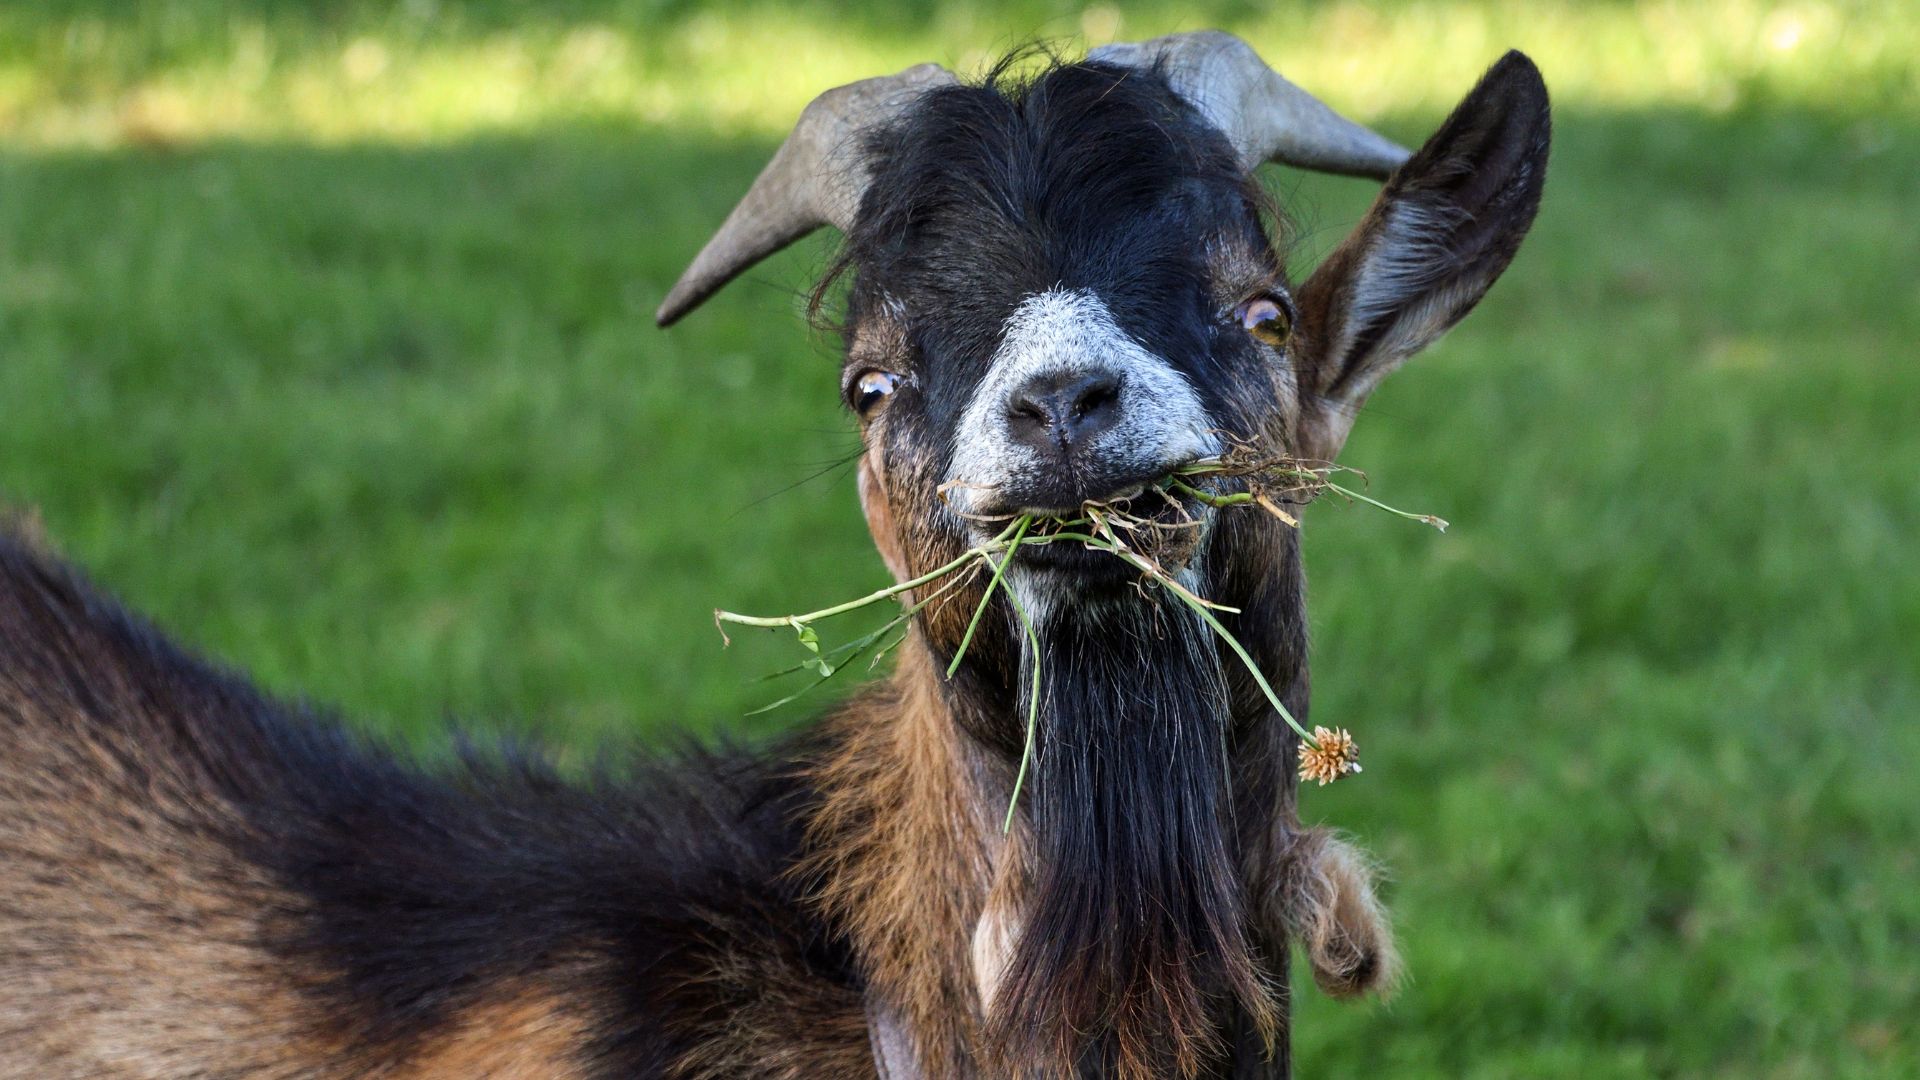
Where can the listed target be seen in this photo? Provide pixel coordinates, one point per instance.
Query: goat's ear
(1444, 227)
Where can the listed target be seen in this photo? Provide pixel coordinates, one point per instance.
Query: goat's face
(1052, 301)
(1064, 291)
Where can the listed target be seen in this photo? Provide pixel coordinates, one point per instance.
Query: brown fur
(908, 847)
(770, 1019)
(123, 887)
(141, 936)
(912, 860)
(534, 1034)
(900, 847)
(116, 895)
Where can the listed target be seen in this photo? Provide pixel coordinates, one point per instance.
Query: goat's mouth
(1153, 519)
(1064, 493)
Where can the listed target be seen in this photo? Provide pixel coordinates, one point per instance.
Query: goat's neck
(905, 846)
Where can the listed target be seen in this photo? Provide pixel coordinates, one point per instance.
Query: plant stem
(1013, 545)
(1425, 519)
(1208, 497)
(852, 650)
(1099, 535)
(1160, 575)
(797, 621)
(1253, 669)
(1033, 703)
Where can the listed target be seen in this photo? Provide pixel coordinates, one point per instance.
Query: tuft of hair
(1331, 909)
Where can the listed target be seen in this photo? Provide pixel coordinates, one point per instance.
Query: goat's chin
(1132, 935)
(1071, 575)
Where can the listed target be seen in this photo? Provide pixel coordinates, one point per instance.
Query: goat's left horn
(816, 178)
(1266, 117)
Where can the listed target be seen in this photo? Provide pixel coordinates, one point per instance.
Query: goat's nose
(1063, 412)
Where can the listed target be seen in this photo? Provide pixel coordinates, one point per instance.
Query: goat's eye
(870, 387)
(1268, 318)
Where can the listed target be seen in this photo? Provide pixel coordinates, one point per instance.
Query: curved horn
(1266, 117)
(816, 178)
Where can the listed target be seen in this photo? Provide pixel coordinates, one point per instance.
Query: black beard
(1133, 940)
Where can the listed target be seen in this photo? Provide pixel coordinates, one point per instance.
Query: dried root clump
(1274, 482)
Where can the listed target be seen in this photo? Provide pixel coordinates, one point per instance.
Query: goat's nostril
(1057, 411)
(1029, 410)
(1095, 393)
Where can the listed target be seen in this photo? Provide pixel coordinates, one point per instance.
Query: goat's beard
(1131, 945)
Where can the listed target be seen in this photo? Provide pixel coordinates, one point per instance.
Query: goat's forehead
(973, 267)
(1084, 178)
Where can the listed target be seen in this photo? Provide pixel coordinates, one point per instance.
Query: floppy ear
(1444, 227)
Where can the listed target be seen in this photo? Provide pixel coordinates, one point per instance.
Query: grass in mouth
(1268, 483)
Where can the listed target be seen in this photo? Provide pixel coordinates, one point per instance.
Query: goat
(1058, 288)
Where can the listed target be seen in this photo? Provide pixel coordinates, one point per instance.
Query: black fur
(1137, 904)
(1477, 182)
(1095, 177)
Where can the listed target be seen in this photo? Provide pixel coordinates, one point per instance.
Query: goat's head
(1062, 289)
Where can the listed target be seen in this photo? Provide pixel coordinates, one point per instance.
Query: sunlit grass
(167, 72)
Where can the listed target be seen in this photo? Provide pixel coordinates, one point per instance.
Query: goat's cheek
(876, 503)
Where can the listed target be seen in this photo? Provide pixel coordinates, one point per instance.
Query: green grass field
(325, 339)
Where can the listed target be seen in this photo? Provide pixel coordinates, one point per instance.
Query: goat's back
(196, 880)
(130, 924)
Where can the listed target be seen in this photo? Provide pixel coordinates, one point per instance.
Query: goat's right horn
(1266, 117)
(816, 178)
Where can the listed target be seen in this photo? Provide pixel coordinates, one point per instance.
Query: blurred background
(325, 339)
